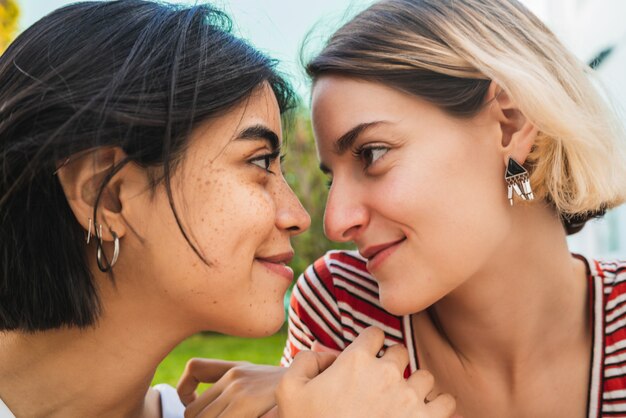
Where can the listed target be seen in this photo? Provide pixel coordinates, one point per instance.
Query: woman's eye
(370, 155)
(265, 161)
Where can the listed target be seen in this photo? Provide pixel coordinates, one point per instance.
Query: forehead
(259, 109)
(340, 103)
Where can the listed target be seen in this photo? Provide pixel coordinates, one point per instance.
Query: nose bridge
(345, 213)
(290, 214)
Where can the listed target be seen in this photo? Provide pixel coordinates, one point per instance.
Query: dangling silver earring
(89, 230)
(100, 256)
(517, 179)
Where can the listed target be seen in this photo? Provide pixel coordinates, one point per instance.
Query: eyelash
(268, 160)
(359, 153)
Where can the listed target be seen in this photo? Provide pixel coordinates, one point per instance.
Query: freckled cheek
(260, 212)
(230, 216)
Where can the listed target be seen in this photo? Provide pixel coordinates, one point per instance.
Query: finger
(443, 406)
(422, 382)
(237, 410)
(225, 406)
(207, 403)
(324, 360)
(307, 364)
(272, 413)
(321, 348)
(370, 339)
(398, 355)
(200, 371)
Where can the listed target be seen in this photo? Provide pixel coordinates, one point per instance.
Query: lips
(277, 264)
(376, 254)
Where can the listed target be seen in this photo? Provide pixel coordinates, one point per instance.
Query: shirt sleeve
(313, 313)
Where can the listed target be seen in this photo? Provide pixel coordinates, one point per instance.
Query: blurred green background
(259, 350)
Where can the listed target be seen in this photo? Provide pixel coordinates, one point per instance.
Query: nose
(345, 214)
(290, 214)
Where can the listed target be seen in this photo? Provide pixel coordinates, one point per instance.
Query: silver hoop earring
(100, 254)
(517, 179)
(89, 231)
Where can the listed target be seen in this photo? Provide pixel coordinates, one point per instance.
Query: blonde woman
(142, 201)
(463, 143)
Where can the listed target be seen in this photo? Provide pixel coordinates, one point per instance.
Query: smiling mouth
(277, 264)
(376, 254)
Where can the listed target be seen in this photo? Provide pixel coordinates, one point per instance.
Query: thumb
(318, 347)
(308, 365)
(273, 413)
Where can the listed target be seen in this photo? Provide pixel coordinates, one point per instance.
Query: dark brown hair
(133, 74)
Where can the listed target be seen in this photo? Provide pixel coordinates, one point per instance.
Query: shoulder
(340, 280)
(609, 279)
(611, 274)
(342, 275)
(339, 265)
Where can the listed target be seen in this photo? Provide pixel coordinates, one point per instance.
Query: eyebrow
(346, 140)
(260, 132)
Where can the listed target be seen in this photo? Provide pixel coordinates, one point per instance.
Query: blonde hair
(448, 52)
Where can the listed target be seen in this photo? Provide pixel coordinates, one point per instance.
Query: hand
(242, 389)
(318, 347)
(358, 384)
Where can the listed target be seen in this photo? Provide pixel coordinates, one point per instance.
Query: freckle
(250, 305)
(214, 302)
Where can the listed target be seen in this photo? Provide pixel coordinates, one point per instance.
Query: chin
(262, 325)
(399, 305)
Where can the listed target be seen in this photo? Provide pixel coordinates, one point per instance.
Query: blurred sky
(279, 26)
(276, 26)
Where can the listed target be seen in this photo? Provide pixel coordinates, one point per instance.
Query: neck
(102, 371)
(532, 290)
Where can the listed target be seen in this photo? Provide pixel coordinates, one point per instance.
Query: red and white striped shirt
(336, 298)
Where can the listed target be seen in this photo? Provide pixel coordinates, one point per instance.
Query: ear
(81, 177)
(518, 133)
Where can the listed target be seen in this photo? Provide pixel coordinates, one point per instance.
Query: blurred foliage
(266, 350)
(9, 14)
(302, 172)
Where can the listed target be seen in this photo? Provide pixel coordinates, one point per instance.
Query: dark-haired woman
(142, 201)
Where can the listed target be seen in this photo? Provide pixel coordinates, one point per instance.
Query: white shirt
(5, 412)
(171, 406)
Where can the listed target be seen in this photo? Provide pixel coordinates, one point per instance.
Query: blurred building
(595, 30)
